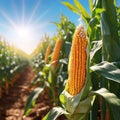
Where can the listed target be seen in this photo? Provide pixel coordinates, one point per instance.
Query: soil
(12, 104)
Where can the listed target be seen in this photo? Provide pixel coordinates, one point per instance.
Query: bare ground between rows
(12, 105)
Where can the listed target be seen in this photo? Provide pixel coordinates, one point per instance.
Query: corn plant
(103, 33)
(53, 72)
(10, 65)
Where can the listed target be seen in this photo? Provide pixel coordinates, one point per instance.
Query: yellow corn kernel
(77, 62)
(47, 53)
(56, 52)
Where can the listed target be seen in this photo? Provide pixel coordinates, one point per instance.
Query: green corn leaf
(64, 61)
(112, 101)
(32, 99)
(79, 9)
(93, 22)
(97, 46)
(67, 48)
(84, 13)
(95, 4)
(50, 77)
(82, 10)
(107, 70)
(91, 5)
(54, 113)
(99, 10)
(111, 17)
(57, 24)
(111, 44)
(71, 7)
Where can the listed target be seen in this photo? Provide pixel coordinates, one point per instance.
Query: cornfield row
(11, 65)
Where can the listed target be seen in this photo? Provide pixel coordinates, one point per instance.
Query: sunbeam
(42, 15)
(8, 18)
(5, 26)
(23, 11)
(15, 11)
(34, 11)
(23, 22)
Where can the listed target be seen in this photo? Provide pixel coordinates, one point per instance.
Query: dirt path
(12, 105)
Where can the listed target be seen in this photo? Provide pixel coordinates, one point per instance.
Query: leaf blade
(112, 101)
(71, 7)
(32, 99)
(107, 70)
(54, 113)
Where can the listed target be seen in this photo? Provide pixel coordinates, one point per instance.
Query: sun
(23, 31)
(25, 36)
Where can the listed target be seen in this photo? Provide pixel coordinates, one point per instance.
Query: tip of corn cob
(48, 50)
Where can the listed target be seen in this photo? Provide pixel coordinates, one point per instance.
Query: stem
(0, 92)
(55, 103)
(7, 87)
(105, 54)
(53, 87)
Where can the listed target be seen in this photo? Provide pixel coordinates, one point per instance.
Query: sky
(24, 22)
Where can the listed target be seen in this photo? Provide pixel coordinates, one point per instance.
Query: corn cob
(77, 62)
(47, 53)
(56, 53)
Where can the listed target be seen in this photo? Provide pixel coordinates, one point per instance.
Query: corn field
(11, 65)
(78, 69)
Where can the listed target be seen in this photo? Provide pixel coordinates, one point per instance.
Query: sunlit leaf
(32, 99)
(64, 61)
(93, 21)
(70, 6)
(54, 113)
(99, 10)
(97, 45)
(91, 5)
(82, 10)
(107, 70)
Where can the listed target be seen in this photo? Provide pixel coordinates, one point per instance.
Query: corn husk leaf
(79, 105)
(54, 113)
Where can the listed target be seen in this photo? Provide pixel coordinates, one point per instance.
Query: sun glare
(25, 35)
(23, 32)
